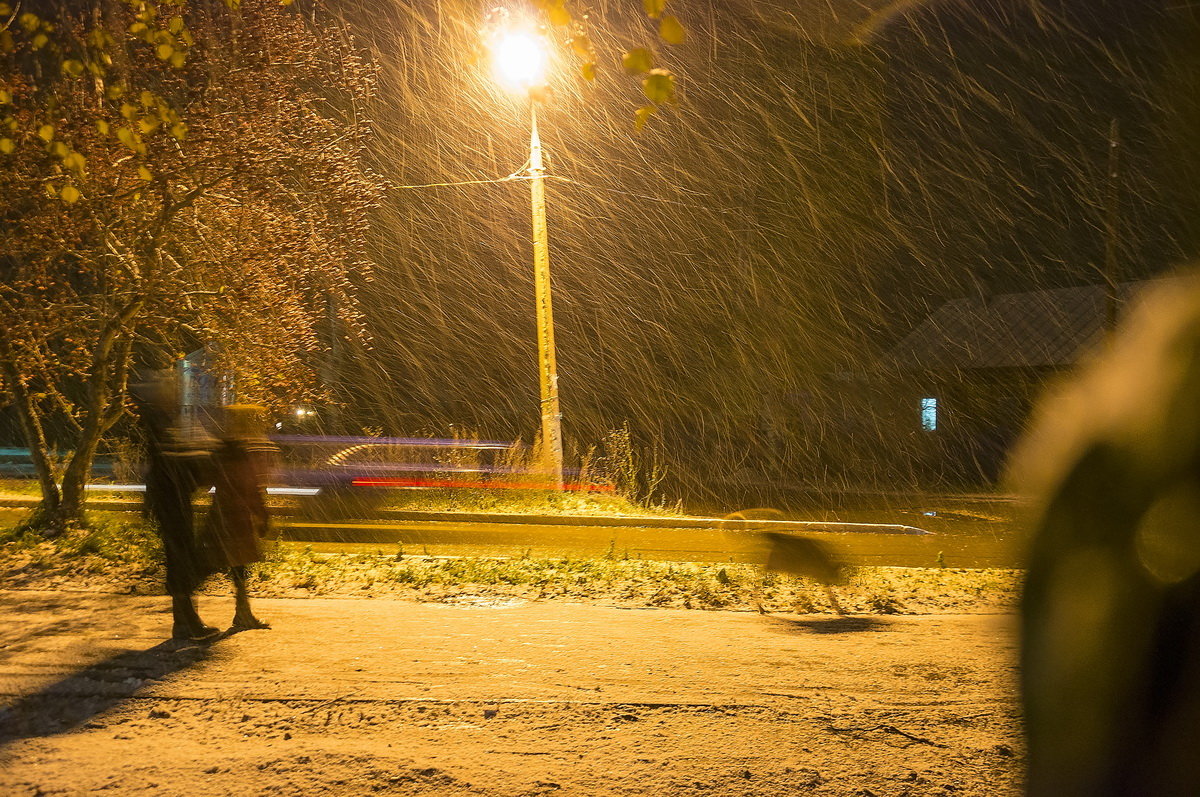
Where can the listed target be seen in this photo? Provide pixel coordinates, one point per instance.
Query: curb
(634, 521)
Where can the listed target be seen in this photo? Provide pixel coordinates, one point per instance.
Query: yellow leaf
(46, 133)
(138, 27)
(5, 9)
(128, 110)
(164, 51)
(175, 25)
(177, 59)
(179, 130)
(102, 127)
(59, 149)
(72, 67)
(147, 99)
(582, 46)
(187, 38)
(642, 116)
(558, 14)
(654, 7)
(588, 70)
(7, 145)
(5, 96)
(145, 174)
(147, 125)
(637, 61)
(286, 2)
(39, 41)
(29, 22)
(125, 136)
(659, 86)
(671, 30)
(115, 92)
(70, 194)
(75, 161)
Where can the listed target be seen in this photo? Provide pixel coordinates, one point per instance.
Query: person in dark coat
(176, 467)
(238, 519)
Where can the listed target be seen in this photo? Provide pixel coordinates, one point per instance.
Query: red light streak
(490, 485)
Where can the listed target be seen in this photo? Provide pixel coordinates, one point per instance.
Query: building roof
(1049, 328)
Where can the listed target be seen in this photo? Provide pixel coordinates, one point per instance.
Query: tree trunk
(62, 507)
(105, 398)
(75, 479)
(32, 430)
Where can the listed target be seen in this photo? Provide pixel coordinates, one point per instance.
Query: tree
(568, 24)
(175, 173)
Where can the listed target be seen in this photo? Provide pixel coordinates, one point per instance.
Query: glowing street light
(520, 59)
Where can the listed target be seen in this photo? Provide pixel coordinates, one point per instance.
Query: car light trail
(141, 488)
(486, 485)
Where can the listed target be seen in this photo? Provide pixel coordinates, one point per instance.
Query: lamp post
(520, 60)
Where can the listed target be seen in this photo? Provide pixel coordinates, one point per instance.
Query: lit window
(929, 414)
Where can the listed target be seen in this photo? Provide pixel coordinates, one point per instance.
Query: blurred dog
(807, 558)
(795, 555)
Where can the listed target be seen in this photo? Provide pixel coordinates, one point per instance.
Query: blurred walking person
(238, 519)
(176, 467)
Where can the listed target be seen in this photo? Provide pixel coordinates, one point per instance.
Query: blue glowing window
(929, 414)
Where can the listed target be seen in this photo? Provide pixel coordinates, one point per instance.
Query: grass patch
(292, 569)
(524, 502)
(112, 552)
(19, 488)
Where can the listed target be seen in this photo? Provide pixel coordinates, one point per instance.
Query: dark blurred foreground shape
(1111, 610)
(177, 466)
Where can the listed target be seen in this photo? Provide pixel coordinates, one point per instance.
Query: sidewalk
(376, 696)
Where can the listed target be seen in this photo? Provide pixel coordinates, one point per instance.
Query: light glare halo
(519, 60)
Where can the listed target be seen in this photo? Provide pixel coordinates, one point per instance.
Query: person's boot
(187, 623)
(243, 618)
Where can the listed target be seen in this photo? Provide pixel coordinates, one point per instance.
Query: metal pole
(552, 454)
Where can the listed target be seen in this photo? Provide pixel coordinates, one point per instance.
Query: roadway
(656, 539)
(547, 540)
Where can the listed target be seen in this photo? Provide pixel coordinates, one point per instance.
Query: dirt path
(351, 696)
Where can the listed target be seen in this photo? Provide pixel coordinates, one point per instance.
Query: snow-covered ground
(502, 697)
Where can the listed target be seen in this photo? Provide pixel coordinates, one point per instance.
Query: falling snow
(732, 281)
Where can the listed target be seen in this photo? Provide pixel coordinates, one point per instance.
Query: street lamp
(520, 59)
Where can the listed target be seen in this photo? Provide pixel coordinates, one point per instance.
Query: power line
(508, 179)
